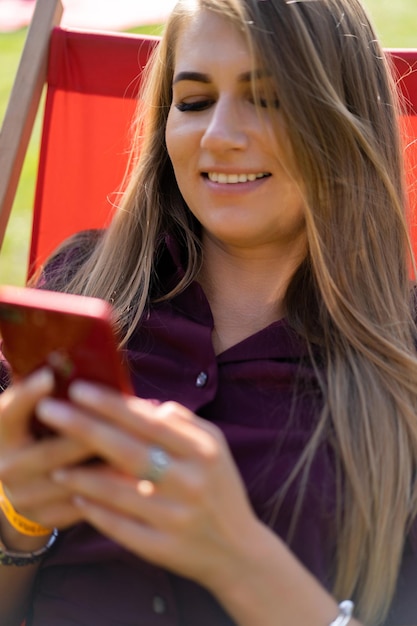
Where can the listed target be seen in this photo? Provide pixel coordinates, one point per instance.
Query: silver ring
(159, 461)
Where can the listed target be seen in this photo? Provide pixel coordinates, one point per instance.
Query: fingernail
(81, 391)
(41, 380)
(53, 412)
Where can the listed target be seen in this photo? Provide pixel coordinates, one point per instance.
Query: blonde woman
(264, 474)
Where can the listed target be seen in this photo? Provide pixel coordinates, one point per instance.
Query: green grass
(396, 24)
(395, 21)
(13, 257)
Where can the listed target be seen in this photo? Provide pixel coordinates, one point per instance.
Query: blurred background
(395, 21)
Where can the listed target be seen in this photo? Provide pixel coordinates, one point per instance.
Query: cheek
(182, 138)
(179, 150)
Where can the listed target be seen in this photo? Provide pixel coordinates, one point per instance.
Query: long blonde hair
(351, 295)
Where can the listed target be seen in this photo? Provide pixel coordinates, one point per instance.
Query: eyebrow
(200, 77)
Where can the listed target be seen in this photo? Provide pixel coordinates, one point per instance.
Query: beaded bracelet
(345, 614)
(22, 524)
(9, 557)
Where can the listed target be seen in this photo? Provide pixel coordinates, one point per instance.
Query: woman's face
(228, 161)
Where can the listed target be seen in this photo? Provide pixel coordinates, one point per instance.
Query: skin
(224, 131)
(187, 522)
(253, 231)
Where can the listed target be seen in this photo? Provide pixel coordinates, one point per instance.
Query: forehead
(211, 42)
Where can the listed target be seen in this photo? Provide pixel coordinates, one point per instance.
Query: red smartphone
(71, 334)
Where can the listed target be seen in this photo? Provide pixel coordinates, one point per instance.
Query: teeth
(232, 179)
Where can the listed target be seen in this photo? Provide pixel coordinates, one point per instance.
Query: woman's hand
(26, 464)
(194, 520)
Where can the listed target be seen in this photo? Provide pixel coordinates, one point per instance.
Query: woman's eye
(274, 103)
(198, 105)
(266, 102)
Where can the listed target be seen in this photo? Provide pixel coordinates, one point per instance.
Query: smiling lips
(218, 177)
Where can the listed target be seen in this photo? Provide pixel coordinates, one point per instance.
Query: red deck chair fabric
(405, 61)
(93, 81)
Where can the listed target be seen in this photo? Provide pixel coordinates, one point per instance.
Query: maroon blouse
(263, 395)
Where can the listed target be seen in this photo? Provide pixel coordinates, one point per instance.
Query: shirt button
(159, 605)
(201, 379)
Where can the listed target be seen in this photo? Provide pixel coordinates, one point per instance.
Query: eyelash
(275, 104)
(201, 105)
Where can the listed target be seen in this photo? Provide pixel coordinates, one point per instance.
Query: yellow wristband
(20, 523)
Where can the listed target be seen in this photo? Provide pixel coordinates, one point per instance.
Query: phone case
(70, 333)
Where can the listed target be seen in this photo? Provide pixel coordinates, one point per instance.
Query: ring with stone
(158, 464)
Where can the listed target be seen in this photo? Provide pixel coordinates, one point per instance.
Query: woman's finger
(129, 453)
(17, 404)
(150, 525)
(140, 538)
(109, 443)
(20, 465)
(25, 474)
(167, 423)
(45, 502)
(134, 498)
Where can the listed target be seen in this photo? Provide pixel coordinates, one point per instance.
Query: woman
(265, 471)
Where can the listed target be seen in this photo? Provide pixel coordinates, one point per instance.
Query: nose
(225, 128)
